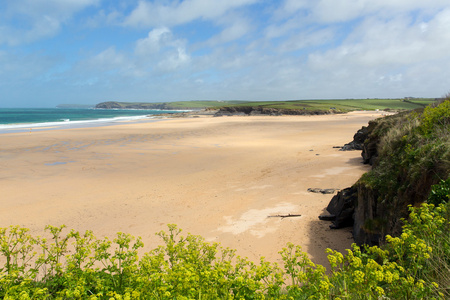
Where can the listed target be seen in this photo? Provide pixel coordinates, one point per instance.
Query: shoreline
(216, 177)
(22, 120)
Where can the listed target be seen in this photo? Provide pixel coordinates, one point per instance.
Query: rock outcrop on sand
(358, 140)
(342, 208)
(322, 191)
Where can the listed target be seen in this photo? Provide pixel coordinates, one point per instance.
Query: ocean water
(27, 118)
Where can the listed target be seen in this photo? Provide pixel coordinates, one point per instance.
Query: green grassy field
(343, 105)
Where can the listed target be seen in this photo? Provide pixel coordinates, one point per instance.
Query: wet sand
(216, 177)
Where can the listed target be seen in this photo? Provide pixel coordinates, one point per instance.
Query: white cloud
(108, 60)
(39, 19)
(175, 60)
(161, 51)
(308, 38)
(149, 14)
(377, 43)
(329, 11)
(234, 28)
(153, 42)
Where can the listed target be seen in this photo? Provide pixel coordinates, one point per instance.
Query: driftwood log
(284, 216)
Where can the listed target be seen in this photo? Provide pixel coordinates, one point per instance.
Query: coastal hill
(176, 105)
(295, 107)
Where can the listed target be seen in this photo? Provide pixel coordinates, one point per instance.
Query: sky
(89, 51)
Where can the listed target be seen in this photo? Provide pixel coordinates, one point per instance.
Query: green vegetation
(413, 155)
(80, 266)
(344, 105)
(340, 105)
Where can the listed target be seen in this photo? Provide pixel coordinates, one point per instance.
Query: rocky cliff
(409, 152)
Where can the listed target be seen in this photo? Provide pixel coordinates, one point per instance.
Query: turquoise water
(25, 119)
(18, 116)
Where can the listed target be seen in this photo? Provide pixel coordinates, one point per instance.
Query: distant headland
(294, 107)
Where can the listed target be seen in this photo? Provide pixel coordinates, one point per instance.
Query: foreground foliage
(80, 266)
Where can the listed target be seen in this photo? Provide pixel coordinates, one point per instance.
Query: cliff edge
(409, 152)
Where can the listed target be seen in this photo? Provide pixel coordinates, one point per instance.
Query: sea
(25, 119)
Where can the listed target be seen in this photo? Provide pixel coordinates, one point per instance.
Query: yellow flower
(379, 290)
(388, 276)
(356, 262)
(379, 275)
(358, 276)
(420, 283)
(324, 285)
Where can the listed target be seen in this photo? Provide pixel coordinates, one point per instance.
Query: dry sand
(216, 177)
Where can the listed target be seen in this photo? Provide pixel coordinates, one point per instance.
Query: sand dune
(217, 177)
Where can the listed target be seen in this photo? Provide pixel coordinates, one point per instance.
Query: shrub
(440, 193)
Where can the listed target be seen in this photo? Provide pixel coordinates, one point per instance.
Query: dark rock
(367, 225)
(327, 217)
(358, 140)
(328, 191)
(370, 146)
(342, 206)
(322, 191)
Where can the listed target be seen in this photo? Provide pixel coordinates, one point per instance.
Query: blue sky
(89, 51)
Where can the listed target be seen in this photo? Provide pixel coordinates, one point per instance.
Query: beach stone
(328, 191)
(322, 191)
(327, 217)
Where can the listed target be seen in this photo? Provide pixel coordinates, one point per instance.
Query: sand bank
(216, 177)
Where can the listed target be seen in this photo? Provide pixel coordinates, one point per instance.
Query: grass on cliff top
(344, 105)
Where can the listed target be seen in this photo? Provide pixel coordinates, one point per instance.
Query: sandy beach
(216, 177)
